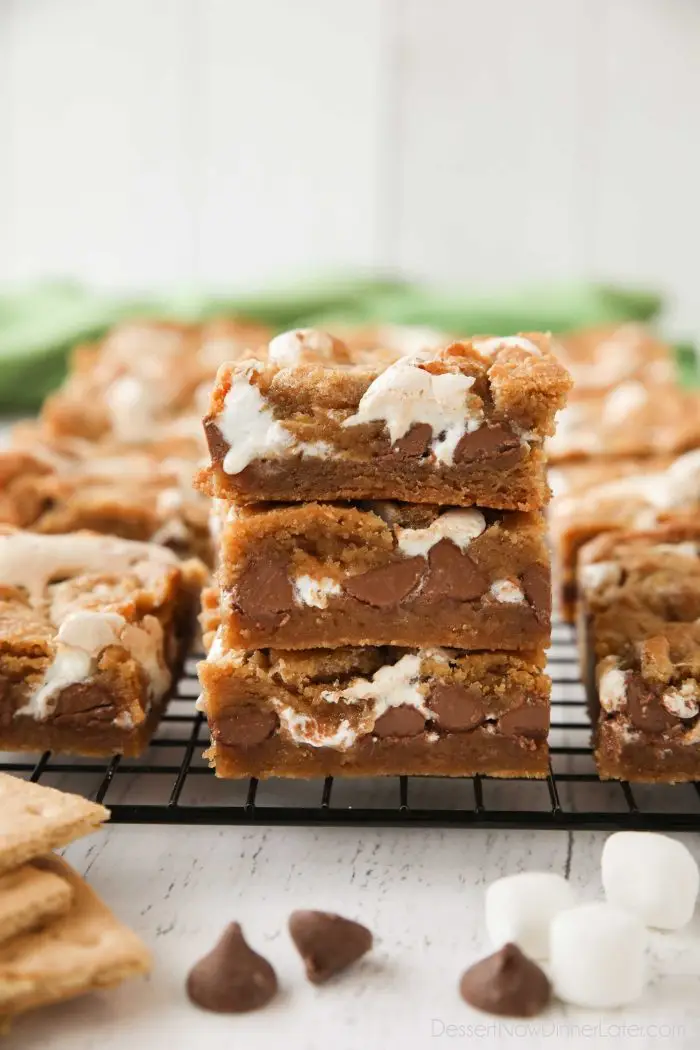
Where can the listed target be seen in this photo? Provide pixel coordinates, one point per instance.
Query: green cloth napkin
(39, 324)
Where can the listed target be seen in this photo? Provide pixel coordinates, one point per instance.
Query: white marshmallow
(520, 909)
(651, 875)
(597, 956)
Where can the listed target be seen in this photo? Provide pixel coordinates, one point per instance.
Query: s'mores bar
(640, 638)
(458, 426)
(629, 498)
(92, 630)
(600, 358)
(146, 380)
(375, 710)
(65, 487)
(632, 420)
(308, 575)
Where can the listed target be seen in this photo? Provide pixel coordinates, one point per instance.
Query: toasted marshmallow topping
(33, 561)
(404, 394)
(290, 348)
(459, 526)
(599, 574)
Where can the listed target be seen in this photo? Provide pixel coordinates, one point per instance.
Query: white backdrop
(146, 142)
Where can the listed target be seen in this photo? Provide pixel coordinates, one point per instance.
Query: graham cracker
(29, 896)
(35, 819)
(82, 951)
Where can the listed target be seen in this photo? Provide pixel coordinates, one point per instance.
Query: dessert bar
(600, 358)
(461, 425)
(632, 420)
(637, 500)
(301, 576)
(374, 711)
(146, 380)
(92, 631)
(640, 638)
(135, 495)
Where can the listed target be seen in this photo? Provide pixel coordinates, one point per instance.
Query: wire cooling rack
(172, 783)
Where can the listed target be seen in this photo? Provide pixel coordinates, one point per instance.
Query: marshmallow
(651, 875)
(520, 909)
(597, 956)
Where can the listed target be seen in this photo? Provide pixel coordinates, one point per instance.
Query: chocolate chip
(400, 721)
(644, 707)
(218, 447)
(388, 585)
(527, 720)
(452, 574)
(232, 978)
(415, 442)
(507, 984)
(245, 726)
(83, 705)
(488, 442)
(457, 707)
(263, 590)
(327, 943)
(537, 585)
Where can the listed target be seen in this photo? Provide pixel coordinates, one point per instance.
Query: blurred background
(224, 144)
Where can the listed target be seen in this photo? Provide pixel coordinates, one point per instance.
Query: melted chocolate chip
(489, 441)
(399, 721)
(232, 978)
(416, 441)
(506, 984)
(218, 446)
(263, 591)
(526, 720)
(83, 705)
(457, 707)
(537, 585)
(644, 707)
(387, 586)
(327, 943)
(245, 726)
(452, 574)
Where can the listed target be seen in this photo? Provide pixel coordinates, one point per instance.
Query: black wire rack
(172, 783)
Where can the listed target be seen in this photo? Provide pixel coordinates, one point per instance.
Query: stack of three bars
(391, 615)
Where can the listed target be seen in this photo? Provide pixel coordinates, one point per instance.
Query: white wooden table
(421, 892)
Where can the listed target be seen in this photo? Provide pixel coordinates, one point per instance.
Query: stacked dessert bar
(625, 451)
(624, 525)
(383, 584)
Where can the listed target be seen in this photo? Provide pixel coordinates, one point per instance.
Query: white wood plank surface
(420, 891)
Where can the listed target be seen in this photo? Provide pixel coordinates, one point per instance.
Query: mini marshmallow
(520, 909)
(597, 956)
(651, 875)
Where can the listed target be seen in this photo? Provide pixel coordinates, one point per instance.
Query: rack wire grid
(172, 783)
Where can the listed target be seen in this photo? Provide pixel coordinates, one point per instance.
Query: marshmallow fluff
(597, 956)
(405, 394)
(520, 909)
(248, 425)
(651, 875)
(507, 592)
(459, 526)
(309, 591)
(394, 685)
